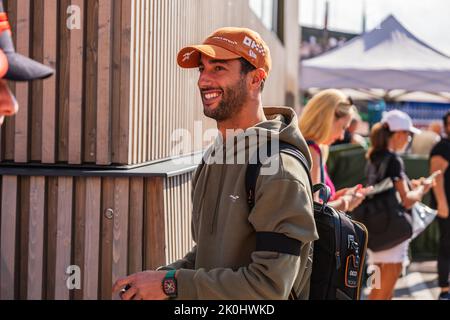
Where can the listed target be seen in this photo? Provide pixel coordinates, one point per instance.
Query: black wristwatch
(169, 284)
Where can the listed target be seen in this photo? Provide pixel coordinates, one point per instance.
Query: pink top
(327, 179)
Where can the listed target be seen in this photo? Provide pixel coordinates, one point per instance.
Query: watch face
(170, 287)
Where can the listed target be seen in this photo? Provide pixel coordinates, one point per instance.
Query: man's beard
(232, 102)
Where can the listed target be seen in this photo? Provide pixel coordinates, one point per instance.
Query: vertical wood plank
(134, 82)
(147, 76)
(121, 92)
(8, 237)
(79, 231)
(136, 225)
(106, 239)
(24, 236)
(48, 56)
(76, 63)
(154, 254)
(120, 230)
(36, 90)
(104, 74)
(63, 82)
(36, 238)
(92, 239)
(50, 237)
(91, 90)
(63, 236)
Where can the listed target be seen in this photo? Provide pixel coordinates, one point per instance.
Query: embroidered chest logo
(234, 198)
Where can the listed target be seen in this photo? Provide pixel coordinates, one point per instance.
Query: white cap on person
(399, 121)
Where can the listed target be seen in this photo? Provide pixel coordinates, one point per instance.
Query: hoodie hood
(282, 122)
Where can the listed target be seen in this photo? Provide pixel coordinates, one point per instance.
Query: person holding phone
(323, 122)
(439, 160)
(388, 139)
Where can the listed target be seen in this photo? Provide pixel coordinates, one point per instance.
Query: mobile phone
(433, 176)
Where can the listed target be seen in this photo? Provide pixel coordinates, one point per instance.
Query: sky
(429, 20)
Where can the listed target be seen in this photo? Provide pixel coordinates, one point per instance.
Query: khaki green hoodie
(224, 264)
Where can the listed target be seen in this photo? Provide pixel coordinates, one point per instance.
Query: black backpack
(339, 254)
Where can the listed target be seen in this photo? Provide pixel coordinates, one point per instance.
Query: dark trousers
(444, 252)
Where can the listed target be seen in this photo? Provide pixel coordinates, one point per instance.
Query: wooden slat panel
(106, 239)
(136, 225)
(36, 238)
(104, 82)
(121, 79)
(37, 117)
(126, 98)
(154, 255)
(8, 237)
(63, 236)
(92, 239)
(91, 90)
(120, 230)
(48, 55)
(178, 209)
(50, 237)
(63, 82)
(134, 78)
(24, 235)
(79, 230)
(76, 62)
(147, 77)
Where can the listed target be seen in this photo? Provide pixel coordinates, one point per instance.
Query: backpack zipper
(363, 257)
(337, 227)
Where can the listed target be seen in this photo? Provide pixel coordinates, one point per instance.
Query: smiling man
(242, 251)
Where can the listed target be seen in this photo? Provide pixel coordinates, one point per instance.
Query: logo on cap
(187, 55)
(226, 40)
(249, 42)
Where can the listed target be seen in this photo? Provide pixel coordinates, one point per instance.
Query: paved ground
(419, 283)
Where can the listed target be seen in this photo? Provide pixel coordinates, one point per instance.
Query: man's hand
(145, 285)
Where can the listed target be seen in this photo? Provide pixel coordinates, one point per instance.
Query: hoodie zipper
(219, 197)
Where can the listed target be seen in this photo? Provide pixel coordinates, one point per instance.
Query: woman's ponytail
(379, 139)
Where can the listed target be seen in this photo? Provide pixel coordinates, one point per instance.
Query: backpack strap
(377, 175)
(272, 241)
(253, 170)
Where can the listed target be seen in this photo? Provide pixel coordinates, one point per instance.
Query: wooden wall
(178, 210)
(118, 94)
(81, 114)
(109, 227)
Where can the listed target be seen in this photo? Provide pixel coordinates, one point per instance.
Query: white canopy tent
(389, 62)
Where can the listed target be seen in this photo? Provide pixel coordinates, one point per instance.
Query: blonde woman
(324, 121)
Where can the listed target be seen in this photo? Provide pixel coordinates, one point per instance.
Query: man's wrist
(169, 284)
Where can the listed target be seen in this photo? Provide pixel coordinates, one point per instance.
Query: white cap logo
(253, 45)
(187, 55)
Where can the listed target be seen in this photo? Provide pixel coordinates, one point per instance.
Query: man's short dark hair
(446, 118)
(247, 67)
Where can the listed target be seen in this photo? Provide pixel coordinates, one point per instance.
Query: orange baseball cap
(228, 44)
